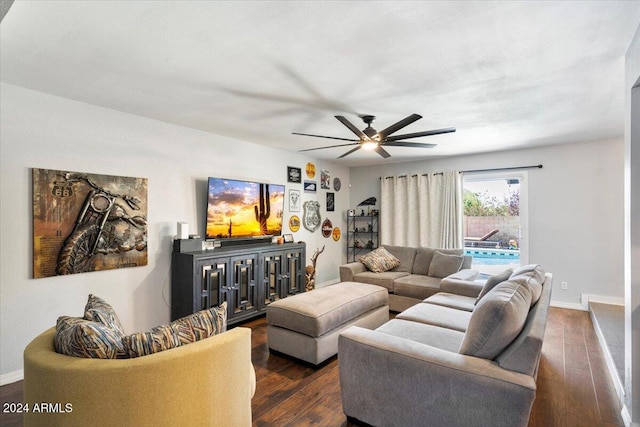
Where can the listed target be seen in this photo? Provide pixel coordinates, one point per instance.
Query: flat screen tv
(243, 209)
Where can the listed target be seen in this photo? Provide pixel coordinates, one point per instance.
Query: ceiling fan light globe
(369, 145)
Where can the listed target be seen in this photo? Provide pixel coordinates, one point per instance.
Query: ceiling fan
(371, 139)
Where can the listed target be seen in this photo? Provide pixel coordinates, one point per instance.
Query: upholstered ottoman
(306, 326)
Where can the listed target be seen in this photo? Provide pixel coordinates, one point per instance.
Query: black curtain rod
(479, 170)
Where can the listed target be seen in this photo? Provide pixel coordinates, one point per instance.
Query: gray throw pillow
(534, 276)
(497, 320)
(492, 281)
(443, 265)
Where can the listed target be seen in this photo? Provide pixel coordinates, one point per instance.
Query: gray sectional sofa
(422, 272)
(452, 359)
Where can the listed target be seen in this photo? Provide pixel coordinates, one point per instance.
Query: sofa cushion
(534, 272)
(492, 281)
(443, 264)
(405, 254)
(385, 279)
(445, 299)
(80, 337)
(416, 286)
(437, 315)
(444, 338)
(191, 328)
(424, 256)
(497, 320)
(380, 260)
(98, 310)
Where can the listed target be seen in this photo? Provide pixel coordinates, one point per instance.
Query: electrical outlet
(564, 285)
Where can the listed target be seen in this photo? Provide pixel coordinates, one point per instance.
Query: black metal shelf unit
(362, 235)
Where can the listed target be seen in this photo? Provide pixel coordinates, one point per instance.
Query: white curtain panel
(423, 210)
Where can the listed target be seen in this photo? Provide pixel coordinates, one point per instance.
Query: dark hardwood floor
(573, 385)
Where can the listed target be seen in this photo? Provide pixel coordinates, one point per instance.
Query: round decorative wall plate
(337, 184)
(311, 170)
(327, 228)
(294, 223)
(336, 234)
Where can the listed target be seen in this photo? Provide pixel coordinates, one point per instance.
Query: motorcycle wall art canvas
(87, 222)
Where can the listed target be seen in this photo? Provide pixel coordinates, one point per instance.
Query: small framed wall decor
(310, 186)
(330, 202)
(325, 179)
(294, 200)
(294, 174)
(288, 238)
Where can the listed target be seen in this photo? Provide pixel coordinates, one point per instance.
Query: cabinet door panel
(295, 275)
(273, 277)
(213, 283)
(244, 284)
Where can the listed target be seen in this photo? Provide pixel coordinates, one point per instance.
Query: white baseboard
(626, 417)
(584, 302)
(603, 299)
(11, 377)
(569, 305)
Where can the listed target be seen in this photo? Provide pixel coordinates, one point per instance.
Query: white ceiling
(505, 74)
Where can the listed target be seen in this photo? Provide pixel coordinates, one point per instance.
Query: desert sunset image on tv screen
(243, 209)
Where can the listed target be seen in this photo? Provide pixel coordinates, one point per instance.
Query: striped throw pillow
(99, 311)
(79, 337)
(188, 329)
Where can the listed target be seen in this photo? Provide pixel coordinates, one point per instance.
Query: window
(495, 220)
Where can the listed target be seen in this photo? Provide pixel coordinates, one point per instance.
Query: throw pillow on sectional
(380, 260)
(98, 310)
(186, 330)
(494, 280)
(443, 265)
(497, 320)
(79, 337)
(533, 276)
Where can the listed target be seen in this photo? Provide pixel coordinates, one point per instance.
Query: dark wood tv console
(248, 277)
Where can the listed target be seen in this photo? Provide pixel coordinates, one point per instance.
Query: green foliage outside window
(483, 204)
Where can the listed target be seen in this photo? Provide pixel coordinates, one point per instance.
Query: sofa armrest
(388, 380)
(462, 283)
(347, 271)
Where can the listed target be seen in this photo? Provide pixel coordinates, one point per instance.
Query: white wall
(631, 410)
(575, 209)
(44, 131)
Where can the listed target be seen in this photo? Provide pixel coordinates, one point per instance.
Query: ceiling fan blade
(322, 136)
(408, 144)
(352, 128)
(350, 151)
(397, 126)
(418, 134)
(382, 152)
(329, 146)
